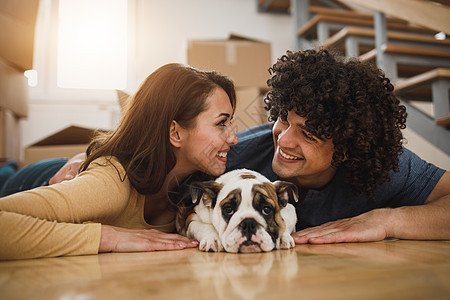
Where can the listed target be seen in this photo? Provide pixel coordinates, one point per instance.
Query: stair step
(308, 27)
(422, 79)
(416, 51)
(405, 50)
(348, 31)
(416, 87)
(313, 9)
(443, 121)
(283, 6)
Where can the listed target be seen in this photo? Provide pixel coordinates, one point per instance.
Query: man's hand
(116, 239)
(69, 170)
(429, 221)
(367, 227)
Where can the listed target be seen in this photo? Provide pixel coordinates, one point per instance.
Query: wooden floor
(381, 270)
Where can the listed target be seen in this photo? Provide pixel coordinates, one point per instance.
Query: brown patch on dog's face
(230, 204)
(265, 201)
(248, 176)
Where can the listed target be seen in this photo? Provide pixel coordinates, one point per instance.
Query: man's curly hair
(345, 100)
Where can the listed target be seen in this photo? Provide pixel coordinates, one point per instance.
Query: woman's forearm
(29, 237)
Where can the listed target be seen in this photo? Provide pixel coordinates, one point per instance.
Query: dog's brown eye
(227, 210)
(267, 210)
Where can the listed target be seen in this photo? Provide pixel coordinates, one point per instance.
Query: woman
(177, 123)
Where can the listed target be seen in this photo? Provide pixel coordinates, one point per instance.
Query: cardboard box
(13, 90)
(250, 110)
(244, 60)
(9, 135)
(64, 143)
(17, 23)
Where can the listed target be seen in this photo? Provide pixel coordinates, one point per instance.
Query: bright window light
(92, 44)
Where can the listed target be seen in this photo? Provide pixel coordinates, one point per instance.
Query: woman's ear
(175, 134)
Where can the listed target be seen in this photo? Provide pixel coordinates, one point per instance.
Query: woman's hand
(116, 239)
(69, 170)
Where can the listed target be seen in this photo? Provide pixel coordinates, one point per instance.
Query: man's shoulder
(252, 134)
(411, 164)
(252, 139)
(254, 151)
(414, 181)
(411, 185)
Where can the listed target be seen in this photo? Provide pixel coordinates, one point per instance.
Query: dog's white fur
(215, 233)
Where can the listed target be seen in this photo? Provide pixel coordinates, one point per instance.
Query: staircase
(405, 38)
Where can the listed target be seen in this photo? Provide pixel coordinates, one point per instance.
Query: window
(92, 44)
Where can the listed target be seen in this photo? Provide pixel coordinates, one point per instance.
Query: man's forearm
(430, 221)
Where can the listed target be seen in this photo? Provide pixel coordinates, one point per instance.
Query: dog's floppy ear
(286, 191)
(205, 190)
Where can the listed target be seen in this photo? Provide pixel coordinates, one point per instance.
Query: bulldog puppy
(242, 211)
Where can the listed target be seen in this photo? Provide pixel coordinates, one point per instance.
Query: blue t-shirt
(411, 186)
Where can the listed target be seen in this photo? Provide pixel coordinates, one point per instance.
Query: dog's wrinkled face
(244, 208)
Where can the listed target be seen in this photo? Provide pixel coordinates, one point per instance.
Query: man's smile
(287, 156)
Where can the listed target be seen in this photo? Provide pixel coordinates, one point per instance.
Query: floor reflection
(25, 279)
(244, 275)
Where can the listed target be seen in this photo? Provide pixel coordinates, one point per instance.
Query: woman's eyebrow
(223, 115)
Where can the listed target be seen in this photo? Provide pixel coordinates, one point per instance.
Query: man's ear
(175, 134)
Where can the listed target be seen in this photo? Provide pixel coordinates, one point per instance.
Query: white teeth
(287, 156)
(221, 154)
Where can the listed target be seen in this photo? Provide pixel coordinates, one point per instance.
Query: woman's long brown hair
(141, 140)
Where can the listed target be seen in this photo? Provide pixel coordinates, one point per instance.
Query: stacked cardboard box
(67, 142)
(246, 61)
(17, 20)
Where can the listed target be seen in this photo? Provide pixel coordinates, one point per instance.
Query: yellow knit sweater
(65, 218)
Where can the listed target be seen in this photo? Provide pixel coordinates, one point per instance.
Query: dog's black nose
(248, 227)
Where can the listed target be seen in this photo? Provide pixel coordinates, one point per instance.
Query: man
(337, 137)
